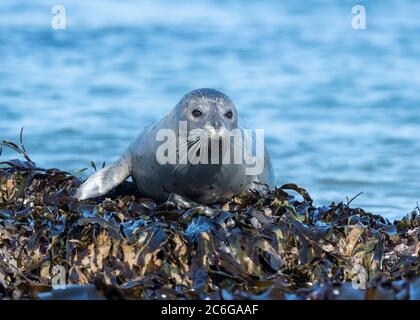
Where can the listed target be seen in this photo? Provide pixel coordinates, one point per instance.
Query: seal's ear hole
(229, 114)
(197, 113)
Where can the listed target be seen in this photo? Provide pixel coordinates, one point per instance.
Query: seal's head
(210, 118)
(210, 110)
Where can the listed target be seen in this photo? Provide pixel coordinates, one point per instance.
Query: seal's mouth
(212, 144)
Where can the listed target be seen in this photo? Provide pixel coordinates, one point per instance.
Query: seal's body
(205, 109)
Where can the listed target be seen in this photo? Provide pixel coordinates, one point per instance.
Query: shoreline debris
(267, 245)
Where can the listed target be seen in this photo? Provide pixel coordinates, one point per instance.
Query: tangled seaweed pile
(257, 246)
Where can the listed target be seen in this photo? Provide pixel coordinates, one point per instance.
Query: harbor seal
(205, 181)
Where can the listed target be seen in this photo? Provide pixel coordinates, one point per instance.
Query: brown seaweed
(258, 245)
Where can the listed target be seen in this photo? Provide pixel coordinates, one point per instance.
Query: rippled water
(340, 106)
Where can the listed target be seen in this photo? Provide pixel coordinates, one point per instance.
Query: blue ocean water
(340, 107)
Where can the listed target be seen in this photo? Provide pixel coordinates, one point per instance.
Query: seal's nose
(216, 124)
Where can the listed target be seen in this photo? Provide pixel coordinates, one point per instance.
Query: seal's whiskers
(185, 147)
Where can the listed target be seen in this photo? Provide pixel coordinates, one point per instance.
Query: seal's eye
(229, 114)
(197, 113)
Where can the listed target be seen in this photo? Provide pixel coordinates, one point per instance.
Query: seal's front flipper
(105, 179)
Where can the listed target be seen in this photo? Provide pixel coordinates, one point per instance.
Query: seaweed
(258, 245)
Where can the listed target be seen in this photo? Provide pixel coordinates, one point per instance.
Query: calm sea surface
(340, 107)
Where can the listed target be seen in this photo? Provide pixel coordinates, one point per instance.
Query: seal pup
(207, 110)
